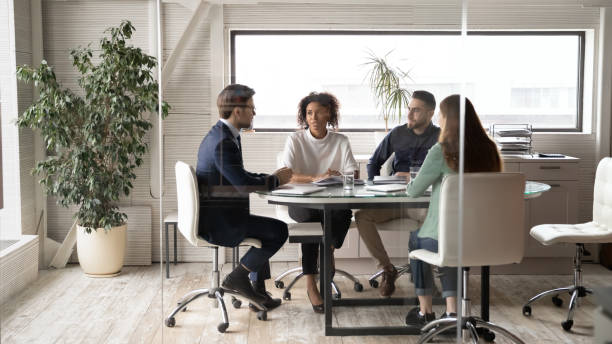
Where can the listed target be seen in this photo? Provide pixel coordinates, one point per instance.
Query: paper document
(389, 180)
(386, 187)
(297, 189)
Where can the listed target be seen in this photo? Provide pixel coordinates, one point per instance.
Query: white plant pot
(101, 252)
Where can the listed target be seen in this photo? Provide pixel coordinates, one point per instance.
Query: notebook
(302, 189)
(386, 187)
(334, 180)
(389, 180)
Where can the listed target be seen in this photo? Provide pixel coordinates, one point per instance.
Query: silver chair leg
(496, 328)
(288, 272)
(295, 279)
(435, 331)
(196, 292)
(472, 330)
(376, 275)
(552, 292)
(223, 309)
(439, 322)
(572, 305)
(185, 300)
(335, 290)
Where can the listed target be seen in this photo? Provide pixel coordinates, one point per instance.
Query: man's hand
(331, 172)
(326, 175)
(403, 174)
(283, 174)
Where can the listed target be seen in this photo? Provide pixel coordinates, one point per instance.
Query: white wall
(10, 215)
(193, 87)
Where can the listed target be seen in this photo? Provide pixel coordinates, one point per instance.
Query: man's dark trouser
(272, 233)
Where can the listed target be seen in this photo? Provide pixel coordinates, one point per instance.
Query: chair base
(216, 293)
(576, 290)
(336, 293)
(471, 325)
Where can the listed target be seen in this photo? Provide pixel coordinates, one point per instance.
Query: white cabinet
(558, 205)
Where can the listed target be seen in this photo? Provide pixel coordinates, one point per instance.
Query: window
(511, 77)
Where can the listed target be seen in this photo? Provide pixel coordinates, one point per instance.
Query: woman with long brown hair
(481, 155)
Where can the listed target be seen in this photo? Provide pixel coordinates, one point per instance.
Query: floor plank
(65, 306)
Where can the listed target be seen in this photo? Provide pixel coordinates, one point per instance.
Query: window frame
(581, 34)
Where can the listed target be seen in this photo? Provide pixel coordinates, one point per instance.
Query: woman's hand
(329, 173)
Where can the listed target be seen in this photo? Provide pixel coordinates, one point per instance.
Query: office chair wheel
(358, 287)
(567, 325)
(279, 284)
(222, 327)
(488, 336)
(286, 296)
(374, 283)
(236, 303)
(170, 322)
(262, 315)
(527, 311)
(337, 296)
(557, 301)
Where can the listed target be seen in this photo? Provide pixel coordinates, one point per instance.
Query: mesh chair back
(493, 219)
(602, 195)
(188, 201)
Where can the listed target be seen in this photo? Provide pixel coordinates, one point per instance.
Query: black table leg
(484, 293)
(327, 297)
(175, 252)
(167, 253)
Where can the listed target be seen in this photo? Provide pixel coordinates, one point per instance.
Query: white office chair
(493, 221)
(597, 231)
(188, 217)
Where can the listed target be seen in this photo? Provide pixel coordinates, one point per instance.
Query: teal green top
(432, 171)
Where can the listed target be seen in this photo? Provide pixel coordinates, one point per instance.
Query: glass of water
(348, 180)
(414, 171)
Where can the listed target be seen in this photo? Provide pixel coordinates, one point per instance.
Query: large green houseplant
(96, 136)
(386, 85)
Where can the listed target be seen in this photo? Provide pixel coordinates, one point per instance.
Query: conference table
(335, 197)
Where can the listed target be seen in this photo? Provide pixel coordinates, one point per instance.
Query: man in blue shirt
(224, 187)
(410, 143)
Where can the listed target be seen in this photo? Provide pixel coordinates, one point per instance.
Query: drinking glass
(414, 171)
(348, 180)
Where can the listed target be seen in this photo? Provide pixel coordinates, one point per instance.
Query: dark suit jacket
(224, 187)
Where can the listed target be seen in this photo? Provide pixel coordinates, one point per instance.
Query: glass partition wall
(488, 65)
(284, 52)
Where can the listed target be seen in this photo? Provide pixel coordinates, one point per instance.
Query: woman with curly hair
(315, 152)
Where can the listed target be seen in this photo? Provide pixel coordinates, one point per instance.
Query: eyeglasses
(250, 107)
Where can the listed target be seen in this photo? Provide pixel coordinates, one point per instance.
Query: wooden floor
(64, 306)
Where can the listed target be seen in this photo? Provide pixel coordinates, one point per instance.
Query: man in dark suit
(224, 185)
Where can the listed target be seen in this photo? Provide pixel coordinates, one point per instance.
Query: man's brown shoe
(387, 286)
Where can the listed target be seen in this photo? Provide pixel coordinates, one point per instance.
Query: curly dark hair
(327, 100)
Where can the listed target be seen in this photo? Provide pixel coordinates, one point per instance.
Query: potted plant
(96, 138)
(386, 84)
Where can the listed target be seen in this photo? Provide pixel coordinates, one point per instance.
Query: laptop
(297, 189)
